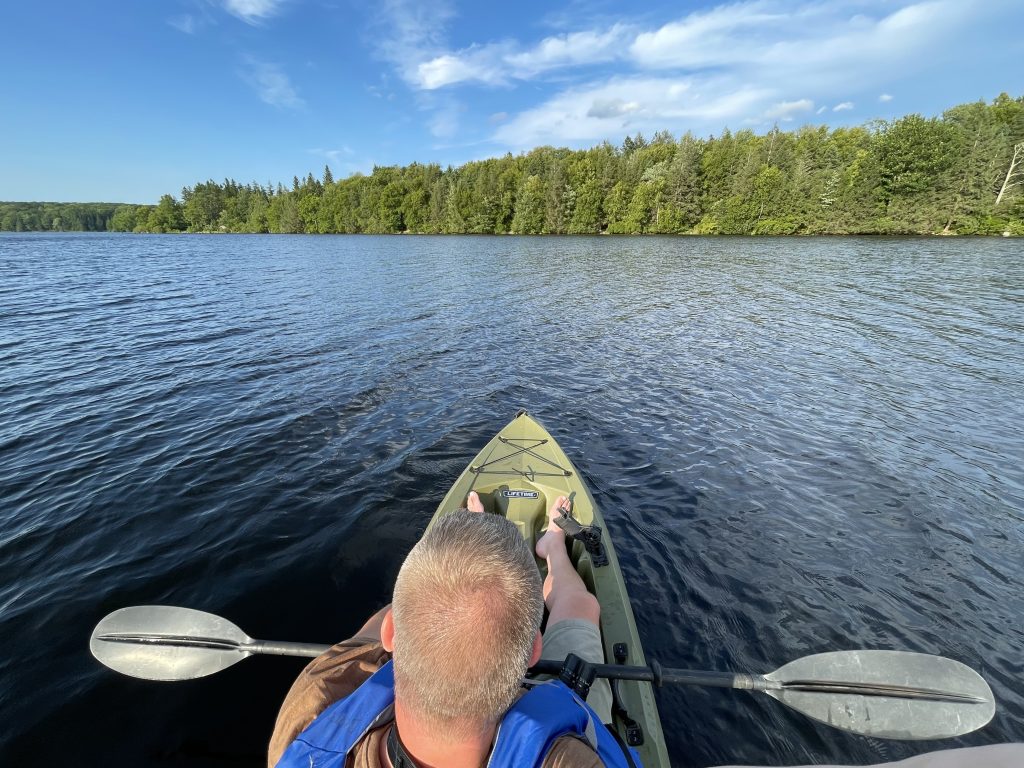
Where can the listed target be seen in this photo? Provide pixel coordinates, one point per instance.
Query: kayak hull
(518, 474)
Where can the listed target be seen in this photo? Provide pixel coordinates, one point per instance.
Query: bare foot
(473, 503)
(553, 536)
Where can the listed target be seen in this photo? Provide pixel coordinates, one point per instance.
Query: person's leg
(574, 614)
(565, 593)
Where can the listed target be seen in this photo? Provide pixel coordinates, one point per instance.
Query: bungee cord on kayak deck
(529, 473)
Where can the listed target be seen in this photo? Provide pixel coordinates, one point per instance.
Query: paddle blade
(932, 697)
(161, 642)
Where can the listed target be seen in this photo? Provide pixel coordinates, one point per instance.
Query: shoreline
(795, 236)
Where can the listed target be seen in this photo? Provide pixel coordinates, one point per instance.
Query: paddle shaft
(657, 675)
(654, 675)
(280, 648)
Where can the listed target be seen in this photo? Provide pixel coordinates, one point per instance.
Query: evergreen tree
(531, 204)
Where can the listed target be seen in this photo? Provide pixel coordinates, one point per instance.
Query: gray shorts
(581, 637)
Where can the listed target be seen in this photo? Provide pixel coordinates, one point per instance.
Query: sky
(123, 101)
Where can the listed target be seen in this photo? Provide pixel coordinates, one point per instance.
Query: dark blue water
(800, 445)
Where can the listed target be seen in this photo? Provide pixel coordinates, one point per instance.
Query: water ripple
(800, 445)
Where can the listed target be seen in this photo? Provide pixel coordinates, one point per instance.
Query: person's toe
(560, 503)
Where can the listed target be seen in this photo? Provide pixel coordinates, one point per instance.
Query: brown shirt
(343, 668)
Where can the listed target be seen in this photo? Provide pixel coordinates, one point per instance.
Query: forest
(56, 217)
(959, 173)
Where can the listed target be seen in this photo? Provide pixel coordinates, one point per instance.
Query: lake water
(799, 445)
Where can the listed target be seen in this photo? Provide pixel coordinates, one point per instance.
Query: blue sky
(125, 100)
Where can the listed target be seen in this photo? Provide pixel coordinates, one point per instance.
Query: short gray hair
(467, 607)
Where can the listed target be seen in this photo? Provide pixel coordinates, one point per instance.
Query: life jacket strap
(397, 753)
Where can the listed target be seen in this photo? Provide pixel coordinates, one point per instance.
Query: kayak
(876, 693)
(519, 474)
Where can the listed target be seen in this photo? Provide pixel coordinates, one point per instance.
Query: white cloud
(625, 105)
(603, 108)
(885, 97)
(747, 61)
(500, 62)
(407, 33)
(843, 107)
(252, 11)
(271, 84)
(708, 38)
(786, 110)
(816, 45)
(826, 54)
(572, 49)
(498, 117)
(764, 38)
(821, 109)
(333, 155)
(472, 65)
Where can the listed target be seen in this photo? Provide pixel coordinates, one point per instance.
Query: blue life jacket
(526, 733)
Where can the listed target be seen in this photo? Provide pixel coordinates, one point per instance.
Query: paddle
(885, 694)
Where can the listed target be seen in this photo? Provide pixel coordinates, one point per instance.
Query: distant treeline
(911, 175)
(56, 217)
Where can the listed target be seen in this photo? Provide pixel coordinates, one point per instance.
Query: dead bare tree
(1015, 174)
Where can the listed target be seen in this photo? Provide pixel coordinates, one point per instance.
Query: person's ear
(538, 648)
(387, 632)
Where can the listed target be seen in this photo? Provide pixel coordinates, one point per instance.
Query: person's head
(466, 613)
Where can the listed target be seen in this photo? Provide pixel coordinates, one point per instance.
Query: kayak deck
(519, 474)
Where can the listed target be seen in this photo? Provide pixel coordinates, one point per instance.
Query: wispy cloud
(253, 11)
(407, 33)
(444, 123)
(885, 97)
(344, 160)
(746, 62)
(749, 61)
(603, 108)
(271, 83)
(749, 36)
(501, 62)
(787, 110)
(826, 39)
(185, 23)
(572, 49)
(449, 69)
(709, 38)
(334, 155)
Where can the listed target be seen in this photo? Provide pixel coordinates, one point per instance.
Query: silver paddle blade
(161, 642)
(886, 694)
